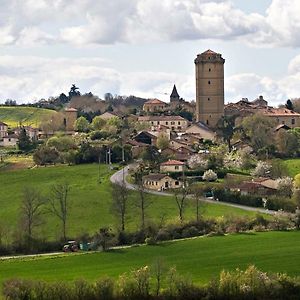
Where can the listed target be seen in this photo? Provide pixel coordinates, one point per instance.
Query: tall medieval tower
(209, 87)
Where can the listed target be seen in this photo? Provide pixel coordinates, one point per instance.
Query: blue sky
(143, 47)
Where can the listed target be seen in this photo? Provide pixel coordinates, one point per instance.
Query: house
(154, 105)
(175, 123)
(146, 137)
(175, 154)
(30, 131)
(136, 147)
(10, 140)
(3, 129)
(172, 166)
(159, 182)
(260, 186)
(202, 131)
(109, 115)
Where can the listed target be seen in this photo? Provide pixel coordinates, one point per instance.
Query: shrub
(262, 169)
(104, 289)
(210, 175)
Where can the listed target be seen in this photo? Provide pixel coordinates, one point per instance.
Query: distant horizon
(118, 48)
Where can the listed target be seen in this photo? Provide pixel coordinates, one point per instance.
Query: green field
(293, 166)
(90, 201)
(202, 258)
(29, 116)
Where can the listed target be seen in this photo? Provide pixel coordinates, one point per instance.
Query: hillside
(202, 258)
(90, 206)
(14, 115)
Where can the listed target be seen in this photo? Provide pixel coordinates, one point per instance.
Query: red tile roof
(155, 101)
(172, 162)
(161, 118)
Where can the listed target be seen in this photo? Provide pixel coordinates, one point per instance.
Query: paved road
(119, 176)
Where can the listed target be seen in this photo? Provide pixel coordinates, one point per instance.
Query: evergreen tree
(24, 143)
(289, 104)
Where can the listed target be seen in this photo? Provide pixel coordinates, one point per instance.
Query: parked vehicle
(71, 246)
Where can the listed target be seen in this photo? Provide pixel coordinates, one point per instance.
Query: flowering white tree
(262, 169)
(210, 175)
(197, 161)
(285, 186)
(233, 160)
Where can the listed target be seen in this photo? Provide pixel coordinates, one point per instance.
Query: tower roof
(174, 93)
(209, 52)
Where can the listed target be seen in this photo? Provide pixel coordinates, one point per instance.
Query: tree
(259, 129)
(31, 210)
(198, 195)
(24, 142)
(119, 203)
(142, 202)
(62, 143)
(287, 142)
(158, 269)
(210, 175)
(81, 124)
(59, 204)
(285, 186)
(180, 196)
(162, 141)
(104, 238)
(74, 91)
(45, 155)
(225, 128)
(289, 105)
(98, 123)
(262, 169)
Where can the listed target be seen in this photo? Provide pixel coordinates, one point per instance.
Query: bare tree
(119, 202)
(158, 269)
(198, 195)
(180, 196)
(142, 202)
(31, 210)
(59, 204)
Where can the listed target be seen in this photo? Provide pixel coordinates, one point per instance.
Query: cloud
(77, 22)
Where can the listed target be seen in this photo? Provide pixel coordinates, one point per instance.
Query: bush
(210, 175)
(277, 203)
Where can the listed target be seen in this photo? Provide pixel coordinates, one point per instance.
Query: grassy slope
(26, 115)
(90, 201)
(293, 166)
(203, 258)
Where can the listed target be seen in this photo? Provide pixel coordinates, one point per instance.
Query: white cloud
(79, 22)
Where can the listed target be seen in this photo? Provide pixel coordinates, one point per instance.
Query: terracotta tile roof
(161, 118)
(209, 52)
(270, 111)
(154, 101)
(155, 177)
(172, 162)
(70, 109)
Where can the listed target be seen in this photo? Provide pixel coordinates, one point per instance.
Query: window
(152, 122)
(293, 121)
(172, 123)
(208, 99)
(209, 69)
(179, 127)
(206, 122)
(173, 127)
(167, 123)
(176, 167)
(157, 122)
(176, 182)
(178, 122)
(208, 81)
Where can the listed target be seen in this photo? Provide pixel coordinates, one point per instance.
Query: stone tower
(209, 87)
(70, 116)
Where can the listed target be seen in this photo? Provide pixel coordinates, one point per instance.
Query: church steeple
(174, 95)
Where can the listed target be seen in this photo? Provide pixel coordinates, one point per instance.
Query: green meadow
(29, 116)
(90, 201)
(202, 258)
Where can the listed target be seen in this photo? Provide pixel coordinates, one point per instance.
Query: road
(119, 176)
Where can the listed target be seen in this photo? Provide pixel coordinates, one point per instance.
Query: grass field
(90, 201)
(292, 165)
(31, 116)
(202, 258)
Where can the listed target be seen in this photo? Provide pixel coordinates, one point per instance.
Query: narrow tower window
(209, 69)
(208, 81)
(208, 99)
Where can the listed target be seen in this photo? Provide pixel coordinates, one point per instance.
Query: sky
(143, 47)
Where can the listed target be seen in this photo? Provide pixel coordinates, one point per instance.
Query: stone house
(160, 182)
(175, 123)
(154, 105)
(10, 140)
(3, 129)
(202, 131)
(172, 166)
(146, 137)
